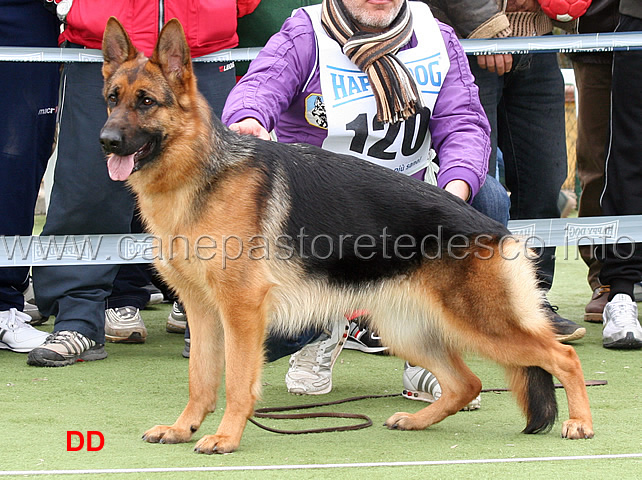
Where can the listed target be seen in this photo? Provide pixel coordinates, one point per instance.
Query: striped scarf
(395, 90)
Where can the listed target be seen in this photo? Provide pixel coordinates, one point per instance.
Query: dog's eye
(112, 98)
(148, 102)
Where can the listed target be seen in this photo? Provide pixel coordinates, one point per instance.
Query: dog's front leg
(205, 371)
(244, 335)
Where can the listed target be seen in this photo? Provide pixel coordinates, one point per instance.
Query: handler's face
(373, 15)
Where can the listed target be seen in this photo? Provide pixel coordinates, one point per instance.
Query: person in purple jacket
(381, 80)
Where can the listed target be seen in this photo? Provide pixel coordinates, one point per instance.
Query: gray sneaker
(420, 384)
(177, 320)
(621, 325)
(30, 307)
(310, 370)
(124, 325)
(65, 348)
(186, 348)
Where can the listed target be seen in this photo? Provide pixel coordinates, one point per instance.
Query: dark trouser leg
(84, 200)
(623, 263)
(29, 97)
(594, 103)
(532, 137)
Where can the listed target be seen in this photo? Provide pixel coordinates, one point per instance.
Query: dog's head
(147, 99)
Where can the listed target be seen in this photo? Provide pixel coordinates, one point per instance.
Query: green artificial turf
(139, 386)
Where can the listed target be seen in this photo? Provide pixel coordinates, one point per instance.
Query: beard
(377, 19)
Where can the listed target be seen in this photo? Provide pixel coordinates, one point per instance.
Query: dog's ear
(117, 47)
(172, 53)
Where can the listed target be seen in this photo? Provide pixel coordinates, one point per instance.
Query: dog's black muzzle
(111, 140)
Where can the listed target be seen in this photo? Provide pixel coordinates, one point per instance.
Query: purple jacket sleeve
(459, 126)
(275, 76)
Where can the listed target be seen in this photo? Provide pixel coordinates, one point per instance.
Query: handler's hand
(459, 188)
(500, 63)
(250, 126)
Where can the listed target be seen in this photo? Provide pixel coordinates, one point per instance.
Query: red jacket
(210, 25)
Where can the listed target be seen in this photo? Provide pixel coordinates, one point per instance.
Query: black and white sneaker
(420, 384)
(155, 295)
(65, 348)
(363, 338)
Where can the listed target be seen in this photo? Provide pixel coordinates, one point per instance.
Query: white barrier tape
(588, 42)
(570, 232)
(139, 248)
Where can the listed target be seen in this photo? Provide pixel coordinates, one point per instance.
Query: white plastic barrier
(140, 248)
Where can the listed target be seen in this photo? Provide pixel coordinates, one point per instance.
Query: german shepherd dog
(283, 237)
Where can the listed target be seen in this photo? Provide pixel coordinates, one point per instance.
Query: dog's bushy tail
(535, 392)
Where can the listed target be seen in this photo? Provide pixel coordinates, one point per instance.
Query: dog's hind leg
(562, 362)
(459, 386)
(205, 371)
(568, 370)
(244, 325)
(531, 359)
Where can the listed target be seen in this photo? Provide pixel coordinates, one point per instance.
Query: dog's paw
(210, 444)
(575, 429)
(401, 421)
(166, 434)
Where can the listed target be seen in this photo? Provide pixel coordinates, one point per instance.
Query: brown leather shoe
(594, 309)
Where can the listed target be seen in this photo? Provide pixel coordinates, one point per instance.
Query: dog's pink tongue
(120, 167)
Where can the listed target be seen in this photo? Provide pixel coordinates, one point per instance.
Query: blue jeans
(491, 200)
(525, 108)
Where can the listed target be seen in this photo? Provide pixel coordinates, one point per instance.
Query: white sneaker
(310, 370)
(420, 384)
(16, 334)
(124, 325)
(621, 325)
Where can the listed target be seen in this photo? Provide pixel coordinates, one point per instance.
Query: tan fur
(445, 307)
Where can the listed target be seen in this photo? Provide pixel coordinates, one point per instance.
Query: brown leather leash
(267, 412)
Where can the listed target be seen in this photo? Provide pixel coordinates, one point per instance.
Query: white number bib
(351, 109)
